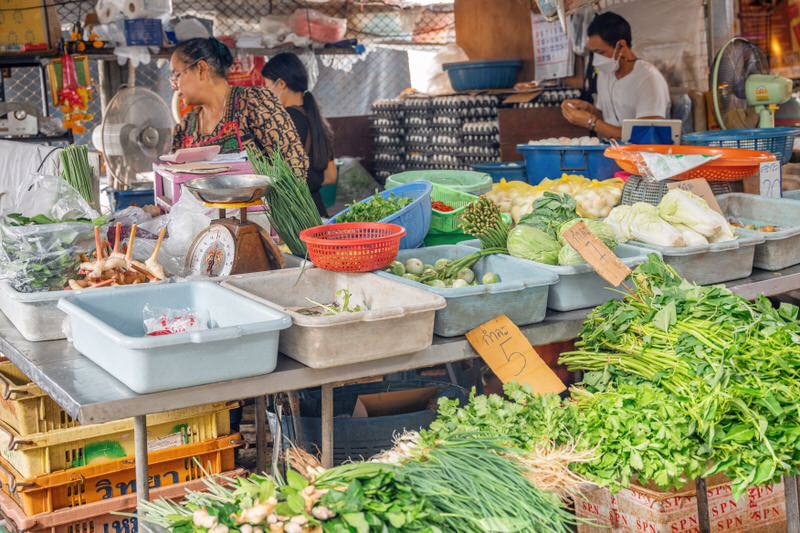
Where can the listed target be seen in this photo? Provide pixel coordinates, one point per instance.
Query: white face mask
(608, 65)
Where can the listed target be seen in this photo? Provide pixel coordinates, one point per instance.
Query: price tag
(769, 175)
(597, 254)
(699, 187)
(512, 358)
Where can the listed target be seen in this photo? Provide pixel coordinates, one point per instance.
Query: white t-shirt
(642, 93)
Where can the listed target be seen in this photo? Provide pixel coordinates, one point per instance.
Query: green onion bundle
(482, 219)
(291, 207)
(76, 171)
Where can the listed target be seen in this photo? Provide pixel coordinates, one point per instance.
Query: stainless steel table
(90, 395)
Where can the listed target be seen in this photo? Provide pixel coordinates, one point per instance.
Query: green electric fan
(745, 94)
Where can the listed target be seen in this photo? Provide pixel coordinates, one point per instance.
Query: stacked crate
(389, 137)
(57, 475)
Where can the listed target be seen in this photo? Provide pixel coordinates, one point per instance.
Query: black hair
(289, 68)
(213, 52)
(612, 28)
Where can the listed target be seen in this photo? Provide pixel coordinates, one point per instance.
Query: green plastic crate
(459, 180)
(449, 222)
(434, 238)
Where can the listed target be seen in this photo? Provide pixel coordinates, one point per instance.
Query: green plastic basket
(449, 222)
(434, 238)
(459, 180)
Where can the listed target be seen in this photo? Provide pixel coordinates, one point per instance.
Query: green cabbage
(601, 230)
(568, 256)
(683, 207)
(527, 242)
(550, 211)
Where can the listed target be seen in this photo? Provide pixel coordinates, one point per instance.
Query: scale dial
(213, 252)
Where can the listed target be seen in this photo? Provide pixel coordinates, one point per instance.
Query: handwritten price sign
(511, 357)
(598, 255)
(770, 185)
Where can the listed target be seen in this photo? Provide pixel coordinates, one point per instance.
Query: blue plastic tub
(552, 161)
(138, 197)
(779, 141)
(107, 327)
(415, 218)
(506, 171)
(521, 293)
(479, 75)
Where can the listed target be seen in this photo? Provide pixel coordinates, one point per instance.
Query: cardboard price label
(769, 180)
(598, 255)
(699, 187)
(512, 358)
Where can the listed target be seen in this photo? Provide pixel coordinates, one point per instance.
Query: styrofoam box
(107, 327)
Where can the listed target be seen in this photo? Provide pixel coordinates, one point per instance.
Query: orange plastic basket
(353, 246)
(733, 164)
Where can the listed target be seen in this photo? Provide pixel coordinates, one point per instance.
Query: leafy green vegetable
(528, 242)
(374, 210)
(550, 211)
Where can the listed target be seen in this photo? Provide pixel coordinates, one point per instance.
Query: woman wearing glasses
(231, 117)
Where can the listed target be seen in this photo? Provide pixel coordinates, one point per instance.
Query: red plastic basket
(354, 246)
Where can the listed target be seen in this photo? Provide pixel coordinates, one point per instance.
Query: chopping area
(408, 266)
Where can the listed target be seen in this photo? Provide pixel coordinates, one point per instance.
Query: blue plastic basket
(553, 161)
(779, 141)
(137, 197)
(480, 75)
(415, 218)
(506, 171)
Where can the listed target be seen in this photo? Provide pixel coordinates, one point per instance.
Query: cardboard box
(394, 403)
(642, 509)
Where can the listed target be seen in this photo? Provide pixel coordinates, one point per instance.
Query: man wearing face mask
(627, 87)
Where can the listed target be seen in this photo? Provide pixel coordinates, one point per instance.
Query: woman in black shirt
(286, 77)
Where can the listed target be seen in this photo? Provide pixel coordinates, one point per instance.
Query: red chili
(441, 207)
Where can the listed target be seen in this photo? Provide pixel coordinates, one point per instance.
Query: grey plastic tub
(780, 249)
(579, 286)
(107, 327)
(712, 263)
(37, 317)
(399, 319)
(521, 293)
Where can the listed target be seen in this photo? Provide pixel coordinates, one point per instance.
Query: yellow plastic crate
(43, 453)
(24, 406)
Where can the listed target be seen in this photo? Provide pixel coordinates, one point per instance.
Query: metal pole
(703, 521)
(790, 489)
(140, 450)
(327, 426)
(261, 434)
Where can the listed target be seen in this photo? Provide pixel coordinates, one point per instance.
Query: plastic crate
(358, 438)
(400, 316)
(480, 75)
(460, 180)
(552, 161)
(43, 453)
(449, 222)
(137, 197)
(712, 263)
(521, 294)
(98, 517)
(779, 141)
(144, 32)
(579, 286)
(503, 171)
(25, 408)
(107, 328)
(415, 218)
(780, 249)
(434, 238)
(90, 484)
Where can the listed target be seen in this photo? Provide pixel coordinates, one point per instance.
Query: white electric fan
(136, 129)
(745, 94)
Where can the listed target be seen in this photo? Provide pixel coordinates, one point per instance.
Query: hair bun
(222, 52)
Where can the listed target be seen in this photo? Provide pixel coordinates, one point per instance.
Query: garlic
(322, 513)
(201, 518)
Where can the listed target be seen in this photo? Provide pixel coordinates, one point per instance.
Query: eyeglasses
(176, 76)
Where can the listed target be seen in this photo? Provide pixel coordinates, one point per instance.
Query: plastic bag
(44, 256)
(661, 167)
(318, 26)
(168, 321)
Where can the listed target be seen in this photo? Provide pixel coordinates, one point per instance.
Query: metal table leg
(703, 520)
(327, 426)
(791, 488)
(140, 451)
(261, 434)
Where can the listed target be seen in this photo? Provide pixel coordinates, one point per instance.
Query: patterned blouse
(253, 117)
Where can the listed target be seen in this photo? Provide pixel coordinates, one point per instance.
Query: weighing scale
(230, 245)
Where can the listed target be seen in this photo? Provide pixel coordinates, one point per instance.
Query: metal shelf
(66, 137)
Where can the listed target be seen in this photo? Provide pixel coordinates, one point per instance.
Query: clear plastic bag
(168, 321)
(44, 256)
